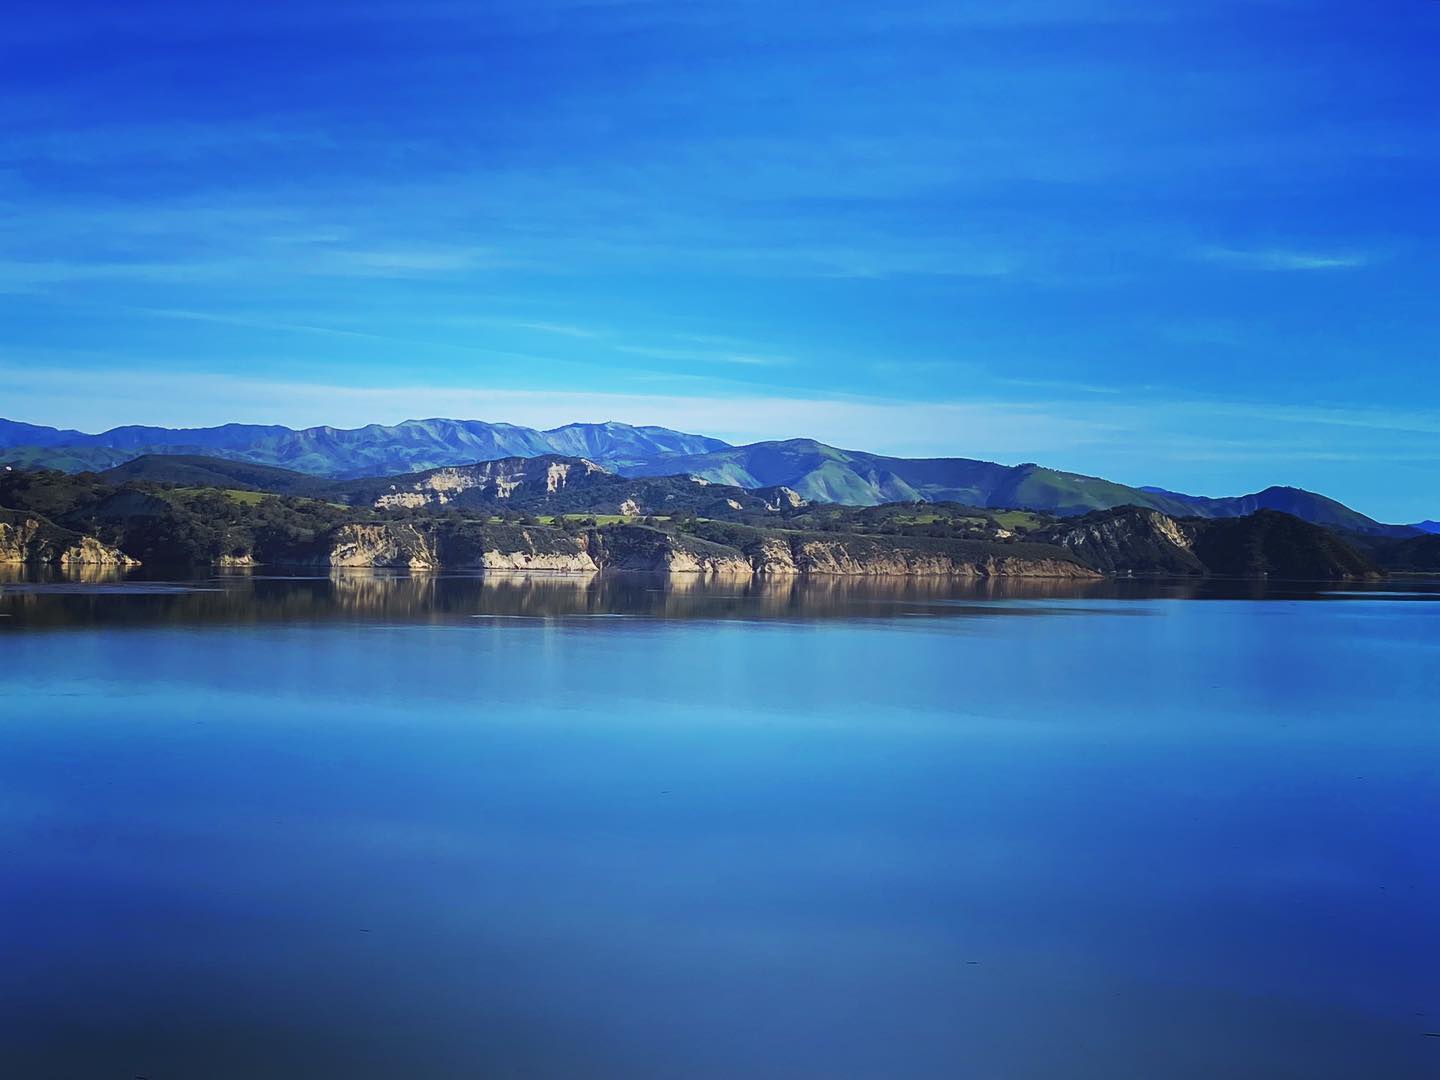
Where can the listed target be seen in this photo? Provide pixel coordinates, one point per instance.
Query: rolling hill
(197, 471)
(827, 474)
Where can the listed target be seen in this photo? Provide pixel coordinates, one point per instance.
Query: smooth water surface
(369, 827)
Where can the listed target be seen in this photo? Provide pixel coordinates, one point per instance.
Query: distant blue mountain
(1427, 526)
(14, 433)
(373, 450)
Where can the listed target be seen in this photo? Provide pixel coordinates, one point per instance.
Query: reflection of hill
(96, 595)
(81, 573)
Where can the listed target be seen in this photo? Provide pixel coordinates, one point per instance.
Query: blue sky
(1187, 244)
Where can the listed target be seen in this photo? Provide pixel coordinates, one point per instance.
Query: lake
(373, 826)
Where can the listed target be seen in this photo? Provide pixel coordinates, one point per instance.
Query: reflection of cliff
(38, 597)
(72, 573)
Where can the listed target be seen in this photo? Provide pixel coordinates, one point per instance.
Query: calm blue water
(316, 828)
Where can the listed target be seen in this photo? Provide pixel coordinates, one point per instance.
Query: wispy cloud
(706, 356)
(409, 261)
(1281, 259)
(1066, 386)
(339, 332)
(562, 329)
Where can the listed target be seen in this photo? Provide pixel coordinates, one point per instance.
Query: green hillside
(1409, 555)
(827, 474)
(194, 471)
(1273, 543)
(71, 459)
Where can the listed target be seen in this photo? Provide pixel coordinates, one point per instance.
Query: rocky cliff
(636, 547)
(488, 480)
(777, 552)
(434, 546)
(863, 556)
(29, 538)
(552, 485)
(1132, 539)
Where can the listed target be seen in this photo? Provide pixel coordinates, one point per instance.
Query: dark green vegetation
(818, 472)
(1411, 555)
(197, 471)
(64, 458)
(158, 524)
(1272, 543)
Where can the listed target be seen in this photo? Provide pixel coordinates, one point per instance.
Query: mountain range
(816, 471)
(372, 450)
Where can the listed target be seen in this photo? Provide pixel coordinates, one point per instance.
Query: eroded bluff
(433, 546)
(487, 479)
(1131, 540)
(28, 538)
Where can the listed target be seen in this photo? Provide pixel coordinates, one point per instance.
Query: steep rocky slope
(1129, 540)
(440, 545)
(437, 546)
(29, 538)
(774, 551)
(550, 484)
(1267, 543)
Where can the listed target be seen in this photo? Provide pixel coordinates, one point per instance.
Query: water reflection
(1012, 828)
(36, 597)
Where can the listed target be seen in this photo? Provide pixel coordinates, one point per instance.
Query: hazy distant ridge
(372, 450)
